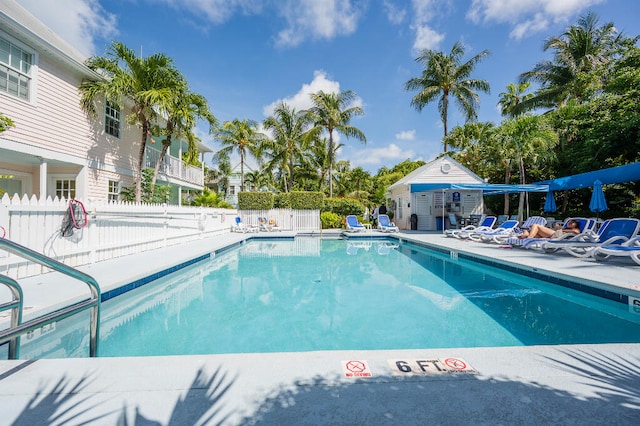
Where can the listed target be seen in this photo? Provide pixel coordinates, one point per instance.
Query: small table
(367, 225)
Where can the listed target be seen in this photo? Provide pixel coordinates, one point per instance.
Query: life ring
(4, 232)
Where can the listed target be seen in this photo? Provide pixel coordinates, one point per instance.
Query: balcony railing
(173, 167)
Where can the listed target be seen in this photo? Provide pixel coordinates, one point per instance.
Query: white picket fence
(118, 229)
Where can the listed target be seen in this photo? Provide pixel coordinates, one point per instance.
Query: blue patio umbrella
(550, 203)
(598, 202)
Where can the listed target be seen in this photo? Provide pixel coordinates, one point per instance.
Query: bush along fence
(61, 230)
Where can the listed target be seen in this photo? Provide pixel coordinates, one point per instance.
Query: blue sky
(244, 56)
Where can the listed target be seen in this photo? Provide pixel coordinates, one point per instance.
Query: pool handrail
(18, 328)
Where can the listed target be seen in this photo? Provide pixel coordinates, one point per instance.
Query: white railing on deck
(173, 167)
(119, 229)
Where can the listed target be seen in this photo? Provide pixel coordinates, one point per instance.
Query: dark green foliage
(343, 206)
(300, 200)
(306, 200)
(255, 200)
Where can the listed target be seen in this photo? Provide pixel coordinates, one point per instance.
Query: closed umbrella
(550, 203)
(598, 202)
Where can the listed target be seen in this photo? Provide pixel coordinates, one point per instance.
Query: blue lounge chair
(612, 232)
(503, 237)
(240, 226)
(585, 226)
(485, 225)
(506, 229)
(629, 249)
(353, 225)
(385, 225)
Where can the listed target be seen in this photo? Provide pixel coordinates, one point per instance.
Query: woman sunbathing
(539, 231)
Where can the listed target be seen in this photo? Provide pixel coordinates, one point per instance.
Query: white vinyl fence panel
(119, 229)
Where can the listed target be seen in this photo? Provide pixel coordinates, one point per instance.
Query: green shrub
(330, 220)
(300, 200)
(209, 198)
(255, 201)
(344, 206)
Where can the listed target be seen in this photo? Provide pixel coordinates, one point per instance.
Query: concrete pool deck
(572, 384)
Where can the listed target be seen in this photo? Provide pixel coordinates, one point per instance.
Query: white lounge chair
(385, 225)
(629, 249)
(268, 225)
(506, 229)
(585, 226)
(240, 226)
(353, 225)
(612, 232)
(485, 225)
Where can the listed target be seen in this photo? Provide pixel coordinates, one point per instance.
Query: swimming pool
(306, 294)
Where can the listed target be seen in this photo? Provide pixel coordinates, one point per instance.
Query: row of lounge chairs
(615, 238)
(263, 225)
(384, 224)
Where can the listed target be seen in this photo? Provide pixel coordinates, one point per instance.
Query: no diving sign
(356, 368)
(432, 366)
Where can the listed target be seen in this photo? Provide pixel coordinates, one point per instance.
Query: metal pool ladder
(18, 328)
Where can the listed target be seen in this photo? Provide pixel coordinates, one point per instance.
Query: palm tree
(511, 99)
(331, 112)
(445, 76)
(182, 111)
(220, 175)
(580, 50)
(244, 137)
(290, 130)
(526, 139)
(147, 82)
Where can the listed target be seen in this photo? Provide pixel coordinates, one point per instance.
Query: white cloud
(395, 15)
(518, 13)
(425, 11)
(535, 25)
(312, 19)
(78, 22)
(301, 100)
(406, 135)
(215, 11)
(380, 155)
(426, 38)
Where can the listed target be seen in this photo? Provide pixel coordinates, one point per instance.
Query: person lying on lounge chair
(539, 231)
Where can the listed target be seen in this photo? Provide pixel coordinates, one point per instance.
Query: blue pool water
(313, 294)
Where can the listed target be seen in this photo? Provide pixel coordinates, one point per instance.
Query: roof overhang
(486, 188)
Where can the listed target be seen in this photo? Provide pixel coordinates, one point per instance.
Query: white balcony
(174, 169)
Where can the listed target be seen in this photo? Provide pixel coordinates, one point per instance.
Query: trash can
(439, 223)
(414, 222)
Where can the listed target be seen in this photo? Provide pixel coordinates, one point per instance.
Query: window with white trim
(112, 119)
(114, 191)
(15, 70)
(232, 190)
(66, 188)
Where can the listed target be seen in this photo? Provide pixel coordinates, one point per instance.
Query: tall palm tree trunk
(507, 179)
(166, 143)
(330, 164)
(143, 145)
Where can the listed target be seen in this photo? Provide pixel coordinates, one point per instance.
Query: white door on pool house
(423, 202)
